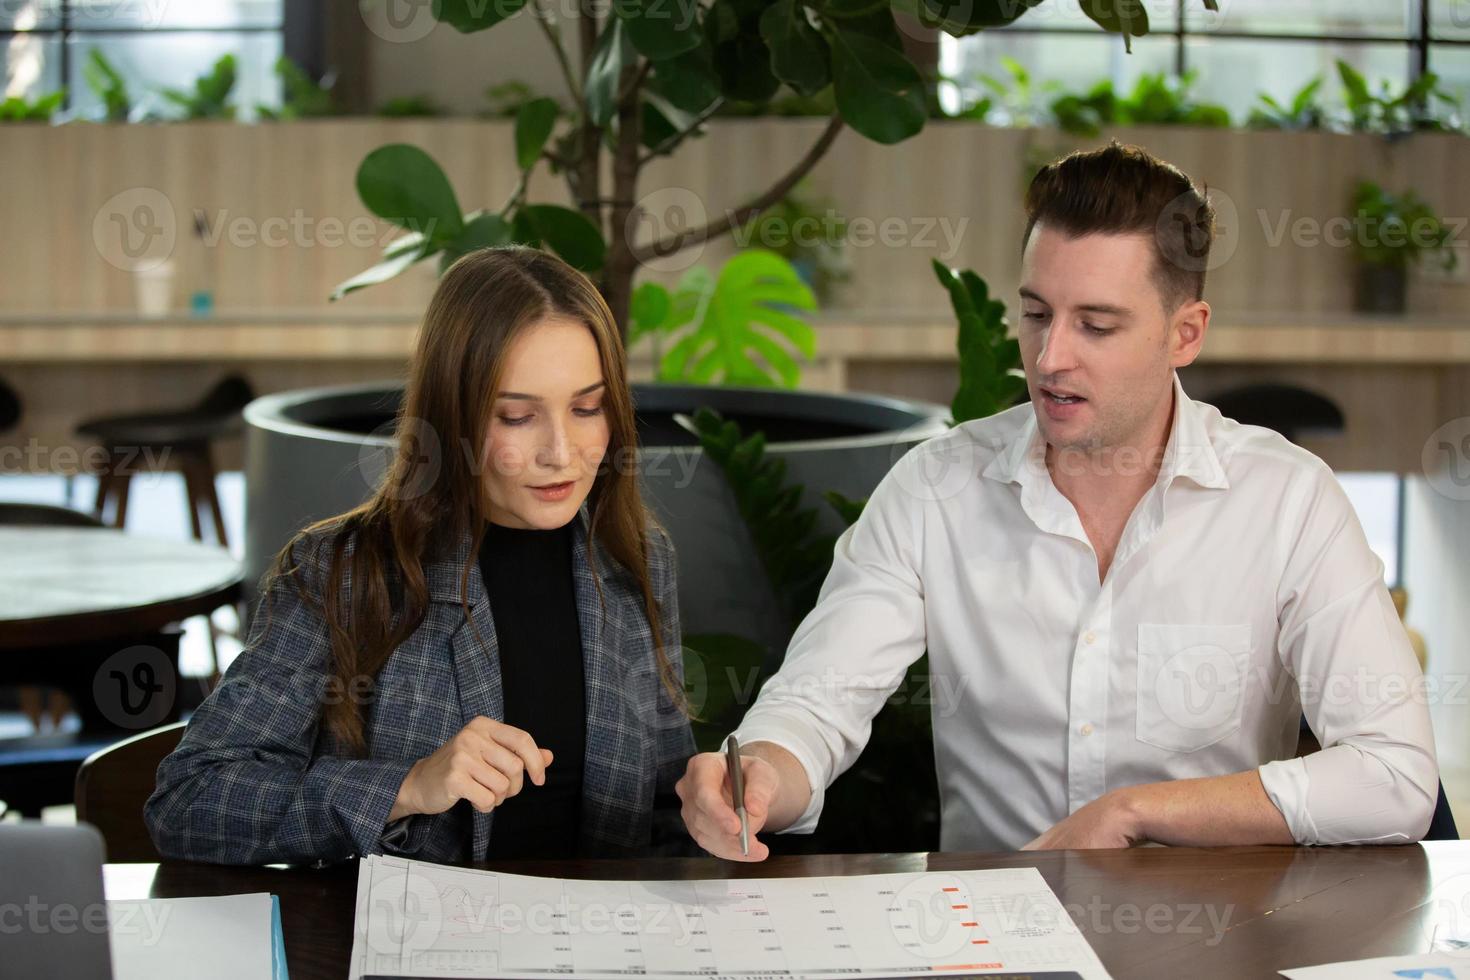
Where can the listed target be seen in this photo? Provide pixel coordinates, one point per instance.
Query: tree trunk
(621, 264)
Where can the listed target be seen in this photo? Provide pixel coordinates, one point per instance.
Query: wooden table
(80, 605)
(1231, 912)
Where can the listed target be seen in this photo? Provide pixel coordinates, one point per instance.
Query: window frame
(65, 30)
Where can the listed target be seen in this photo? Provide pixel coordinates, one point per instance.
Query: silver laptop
(53, 918)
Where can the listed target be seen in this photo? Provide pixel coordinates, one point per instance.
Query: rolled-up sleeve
(851, 651)
(245, 785)
(1376, 778)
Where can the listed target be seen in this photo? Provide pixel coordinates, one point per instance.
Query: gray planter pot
(314, 453)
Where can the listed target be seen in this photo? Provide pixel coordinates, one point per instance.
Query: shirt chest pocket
(1191, 683)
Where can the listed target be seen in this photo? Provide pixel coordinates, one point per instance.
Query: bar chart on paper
(416, 919)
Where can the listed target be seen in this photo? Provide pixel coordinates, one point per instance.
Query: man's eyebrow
(1105, 308)
(522, 397)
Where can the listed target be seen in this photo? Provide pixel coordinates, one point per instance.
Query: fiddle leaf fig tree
(642, 77)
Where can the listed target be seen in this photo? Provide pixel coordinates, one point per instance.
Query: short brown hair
(1124, 189)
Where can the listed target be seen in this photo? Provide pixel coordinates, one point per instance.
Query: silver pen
(737, 791)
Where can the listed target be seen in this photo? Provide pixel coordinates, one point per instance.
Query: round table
(86, 610)
(60, 586)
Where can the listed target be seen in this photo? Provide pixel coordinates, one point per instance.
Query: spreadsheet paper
(416, 919)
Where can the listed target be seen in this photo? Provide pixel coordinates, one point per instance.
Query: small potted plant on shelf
(1391, 232)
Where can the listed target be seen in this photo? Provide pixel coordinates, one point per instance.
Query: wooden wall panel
(57, 178)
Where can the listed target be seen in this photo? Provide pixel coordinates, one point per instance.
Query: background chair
(183, 436)
(10, 407)
(1287, 409)
(113, 784)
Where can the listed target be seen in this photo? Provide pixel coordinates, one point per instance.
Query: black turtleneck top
(528, 576)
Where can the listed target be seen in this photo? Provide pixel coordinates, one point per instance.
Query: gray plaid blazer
(255, 779)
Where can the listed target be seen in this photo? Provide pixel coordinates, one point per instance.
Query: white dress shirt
(1242, 593)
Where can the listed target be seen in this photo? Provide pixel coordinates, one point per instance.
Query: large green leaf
(475, 15)
(648, 310)
(688, 82)
(662, 119)
(798, 52)
(395, 261)
(990, 361)
(613, 52)
(963, 17)
(1126, 17)
(879, 91)
(748, 332)
(483, 230)
(403, 184)
(656, 126)
(660, 29)
(534, 122)
(570, 234)
(739, 54)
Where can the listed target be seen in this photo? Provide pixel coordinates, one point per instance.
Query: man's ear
(1187, 328)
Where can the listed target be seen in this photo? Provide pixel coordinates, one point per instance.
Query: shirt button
(1086, 729)
(1089, 637)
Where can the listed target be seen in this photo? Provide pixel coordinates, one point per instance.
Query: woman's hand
(485, 763)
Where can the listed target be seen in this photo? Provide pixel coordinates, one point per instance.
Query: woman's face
(548, 432)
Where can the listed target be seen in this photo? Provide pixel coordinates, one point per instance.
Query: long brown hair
(431, 500)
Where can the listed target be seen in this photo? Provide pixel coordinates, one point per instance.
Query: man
(1128, 601)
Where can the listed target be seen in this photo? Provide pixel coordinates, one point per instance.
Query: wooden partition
(287, 224)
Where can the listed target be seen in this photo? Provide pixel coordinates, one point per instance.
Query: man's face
(1094, 338)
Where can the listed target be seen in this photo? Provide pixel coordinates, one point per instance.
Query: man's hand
(1108, 821)
(709, 813)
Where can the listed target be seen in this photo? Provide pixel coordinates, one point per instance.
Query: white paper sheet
(416, 919)
(1424, 966)
(227, 937)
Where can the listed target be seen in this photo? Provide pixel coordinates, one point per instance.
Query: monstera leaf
(748, 331)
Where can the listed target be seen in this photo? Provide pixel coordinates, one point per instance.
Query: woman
(482, 660)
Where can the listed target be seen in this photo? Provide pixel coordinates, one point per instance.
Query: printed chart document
(1426, 966)
(416, 919)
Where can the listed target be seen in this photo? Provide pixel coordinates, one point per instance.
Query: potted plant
(649, 76)
(1392, 232)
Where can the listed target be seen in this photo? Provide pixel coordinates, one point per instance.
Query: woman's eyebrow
(521, 397)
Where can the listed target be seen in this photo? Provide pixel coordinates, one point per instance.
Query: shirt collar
(1189, 452)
